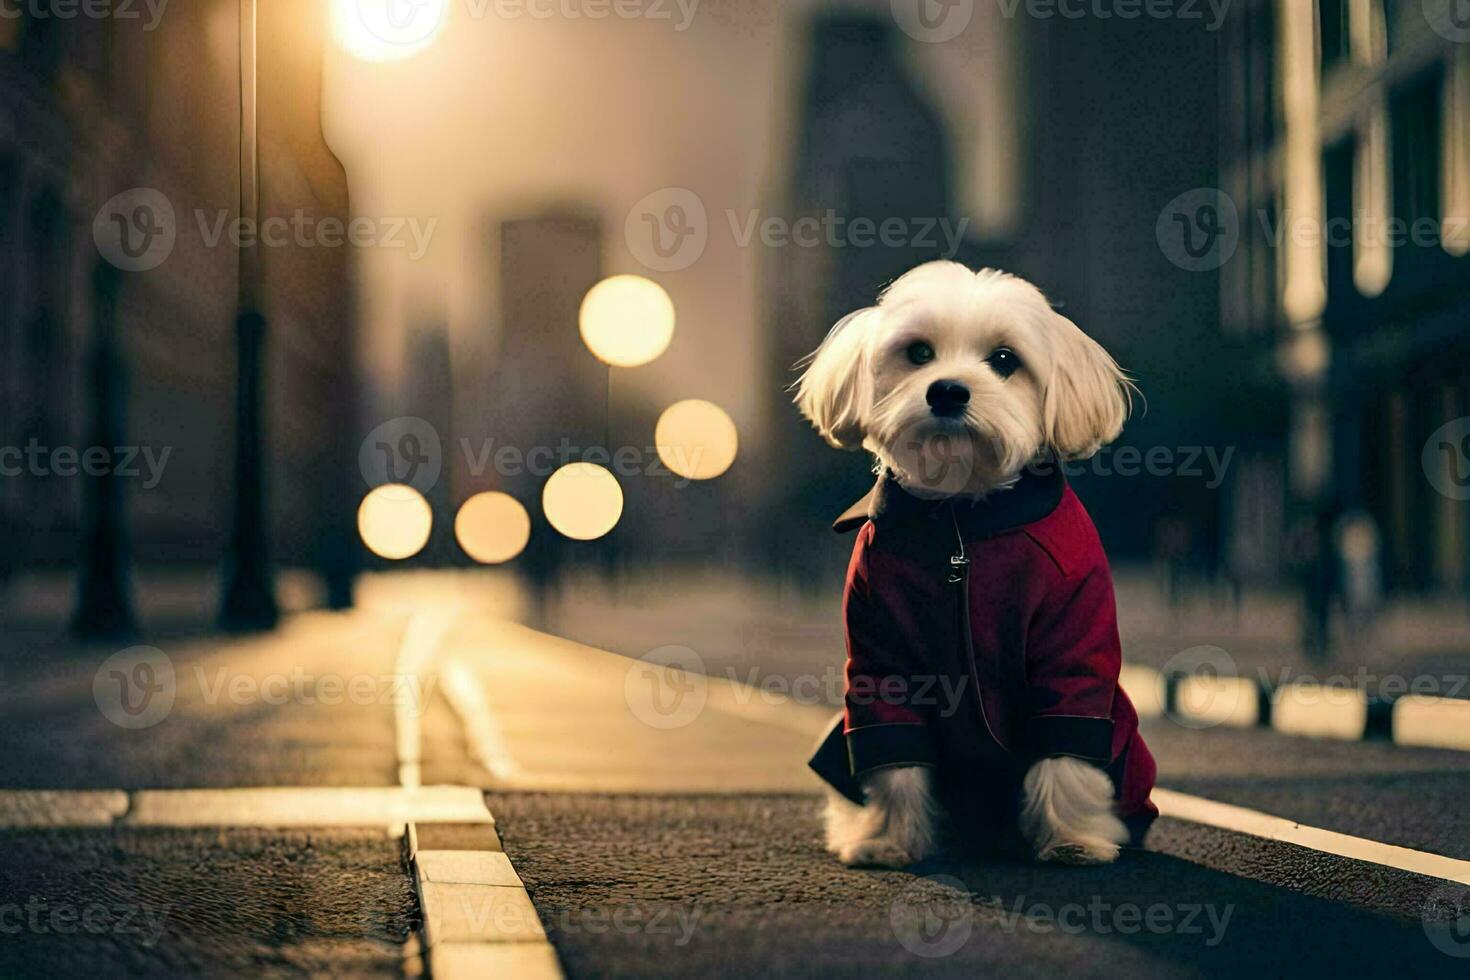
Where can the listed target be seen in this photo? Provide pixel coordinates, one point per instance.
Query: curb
(478, 917)
(1208, 700)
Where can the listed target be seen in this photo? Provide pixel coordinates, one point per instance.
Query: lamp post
(249, 597)
(104, 606)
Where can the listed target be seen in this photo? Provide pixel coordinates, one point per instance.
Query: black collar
(1035, 495)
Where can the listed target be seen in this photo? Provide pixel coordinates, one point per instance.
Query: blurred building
(1347, 152)
(1103, 121)
(92, 107)
(549, 394)
(869, 143)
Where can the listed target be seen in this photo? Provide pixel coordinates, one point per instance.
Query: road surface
(662, 822)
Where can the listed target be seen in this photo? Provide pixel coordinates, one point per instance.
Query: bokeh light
(696, 439)
(387, 30)
(394, 521)
(627, 320)
(492, 528)
(582, 501)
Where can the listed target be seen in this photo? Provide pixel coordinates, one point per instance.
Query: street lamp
(249, 597)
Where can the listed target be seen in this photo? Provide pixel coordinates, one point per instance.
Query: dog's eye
(920, 353)
(1003, 361)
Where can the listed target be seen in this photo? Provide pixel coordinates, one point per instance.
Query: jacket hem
(1085, 738)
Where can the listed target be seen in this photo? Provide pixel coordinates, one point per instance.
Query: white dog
(983, 362)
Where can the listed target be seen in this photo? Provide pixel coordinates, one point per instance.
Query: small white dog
(979, 371)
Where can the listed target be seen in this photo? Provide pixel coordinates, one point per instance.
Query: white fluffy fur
(1067, 399)
(896, 826)
(860, 391)
(1068, 815)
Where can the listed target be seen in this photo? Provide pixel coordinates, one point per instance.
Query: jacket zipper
(959, 575)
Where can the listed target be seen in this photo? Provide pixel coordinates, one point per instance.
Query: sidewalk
(754, 631)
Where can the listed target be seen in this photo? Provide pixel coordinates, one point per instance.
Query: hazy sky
(505, 114)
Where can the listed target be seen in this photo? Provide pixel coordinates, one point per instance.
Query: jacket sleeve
(883, 727)
(1073, 657)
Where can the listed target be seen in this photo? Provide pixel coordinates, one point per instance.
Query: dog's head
(957, 380)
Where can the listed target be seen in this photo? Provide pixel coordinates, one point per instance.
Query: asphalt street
(663, 823)
(162, 902)
(740, 886)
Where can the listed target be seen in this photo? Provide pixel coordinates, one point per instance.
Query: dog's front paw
(1080, 853)
(876, 853)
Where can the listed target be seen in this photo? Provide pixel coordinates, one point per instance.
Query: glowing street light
(583, 501)
(394, 521)
(696, 439)
(387, 30)
(492, 528)
(627, 321)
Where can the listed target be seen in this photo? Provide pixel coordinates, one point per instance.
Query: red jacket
(1038, 676)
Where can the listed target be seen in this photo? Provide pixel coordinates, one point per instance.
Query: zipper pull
(957, 563)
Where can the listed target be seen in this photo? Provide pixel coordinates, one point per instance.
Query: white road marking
(1145, 687)
(478, 919)
(289, 806)
(1209, 701)
(421, 639)
(468, 868)
(1438, 723)
(487, 744)
(475, 961)
(1195, 809)
(24, 808)
(1320, 711)
(257, 806)
(463, 912)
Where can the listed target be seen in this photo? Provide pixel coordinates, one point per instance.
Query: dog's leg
(895, 828)
(1067, 813)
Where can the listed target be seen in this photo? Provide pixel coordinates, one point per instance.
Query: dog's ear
(833, 390)
(1087, 397)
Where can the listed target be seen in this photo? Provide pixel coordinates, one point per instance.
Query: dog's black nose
(948, 398)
